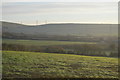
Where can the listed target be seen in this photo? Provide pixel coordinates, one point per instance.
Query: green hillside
(18, 64)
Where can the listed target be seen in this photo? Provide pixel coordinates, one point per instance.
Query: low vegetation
(42, 42)
(18, 64)
(62, 47)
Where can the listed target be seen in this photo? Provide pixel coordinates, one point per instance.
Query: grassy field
(18, 64)
(42, 43)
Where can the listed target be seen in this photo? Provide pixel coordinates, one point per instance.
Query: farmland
(18, 64)
(59, 41)
(42, 42)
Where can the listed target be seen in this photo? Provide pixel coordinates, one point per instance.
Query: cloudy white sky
(60, 0)
(60, 12)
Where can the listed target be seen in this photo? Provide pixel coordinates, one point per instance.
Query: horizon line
(58, 23)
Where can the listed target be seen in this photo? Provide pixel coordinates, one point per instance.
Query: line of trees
(82, 49)
(58, 37)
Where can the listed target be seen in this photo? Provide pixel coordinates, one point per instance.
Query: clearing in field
(18, 64)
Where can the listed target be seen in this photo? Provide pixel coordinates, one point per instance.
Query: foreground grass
(42, 43)
(48, 65)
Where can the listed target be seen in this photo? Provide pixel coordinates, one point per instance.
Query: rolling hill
(61, 29)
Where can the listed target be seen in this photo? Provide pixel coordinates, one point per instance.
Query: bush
(54, 49)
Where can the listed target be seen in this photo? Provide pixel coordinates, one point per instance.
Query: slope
(62, 29)
(48, 65)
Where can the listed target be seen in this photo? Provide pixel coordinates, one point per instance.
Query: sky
(60, 12)
(60, 0)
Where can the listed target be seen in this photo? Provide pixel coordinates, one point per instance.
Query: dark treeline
(81, 49)
(87, 38)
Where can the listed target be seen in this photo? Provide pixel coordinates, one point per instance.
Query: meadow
(42, 42)
(18, 64)
(62, 47)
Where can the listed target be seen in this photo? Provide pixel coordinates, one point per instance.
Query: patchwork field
(42, 43)
(18, 64)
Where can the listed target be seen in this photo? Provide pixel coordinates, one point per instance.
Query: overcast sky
(60, 0)
(60, 12)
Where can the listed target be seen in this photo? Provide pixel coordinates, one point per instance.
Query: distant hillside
(61, 29)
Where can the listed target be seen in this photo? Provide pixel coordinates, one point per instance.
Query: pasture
(18, 64)
(42, 42)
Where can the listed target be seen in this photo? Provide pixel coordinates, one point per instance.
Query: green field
(18, 64)
(42, 43)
